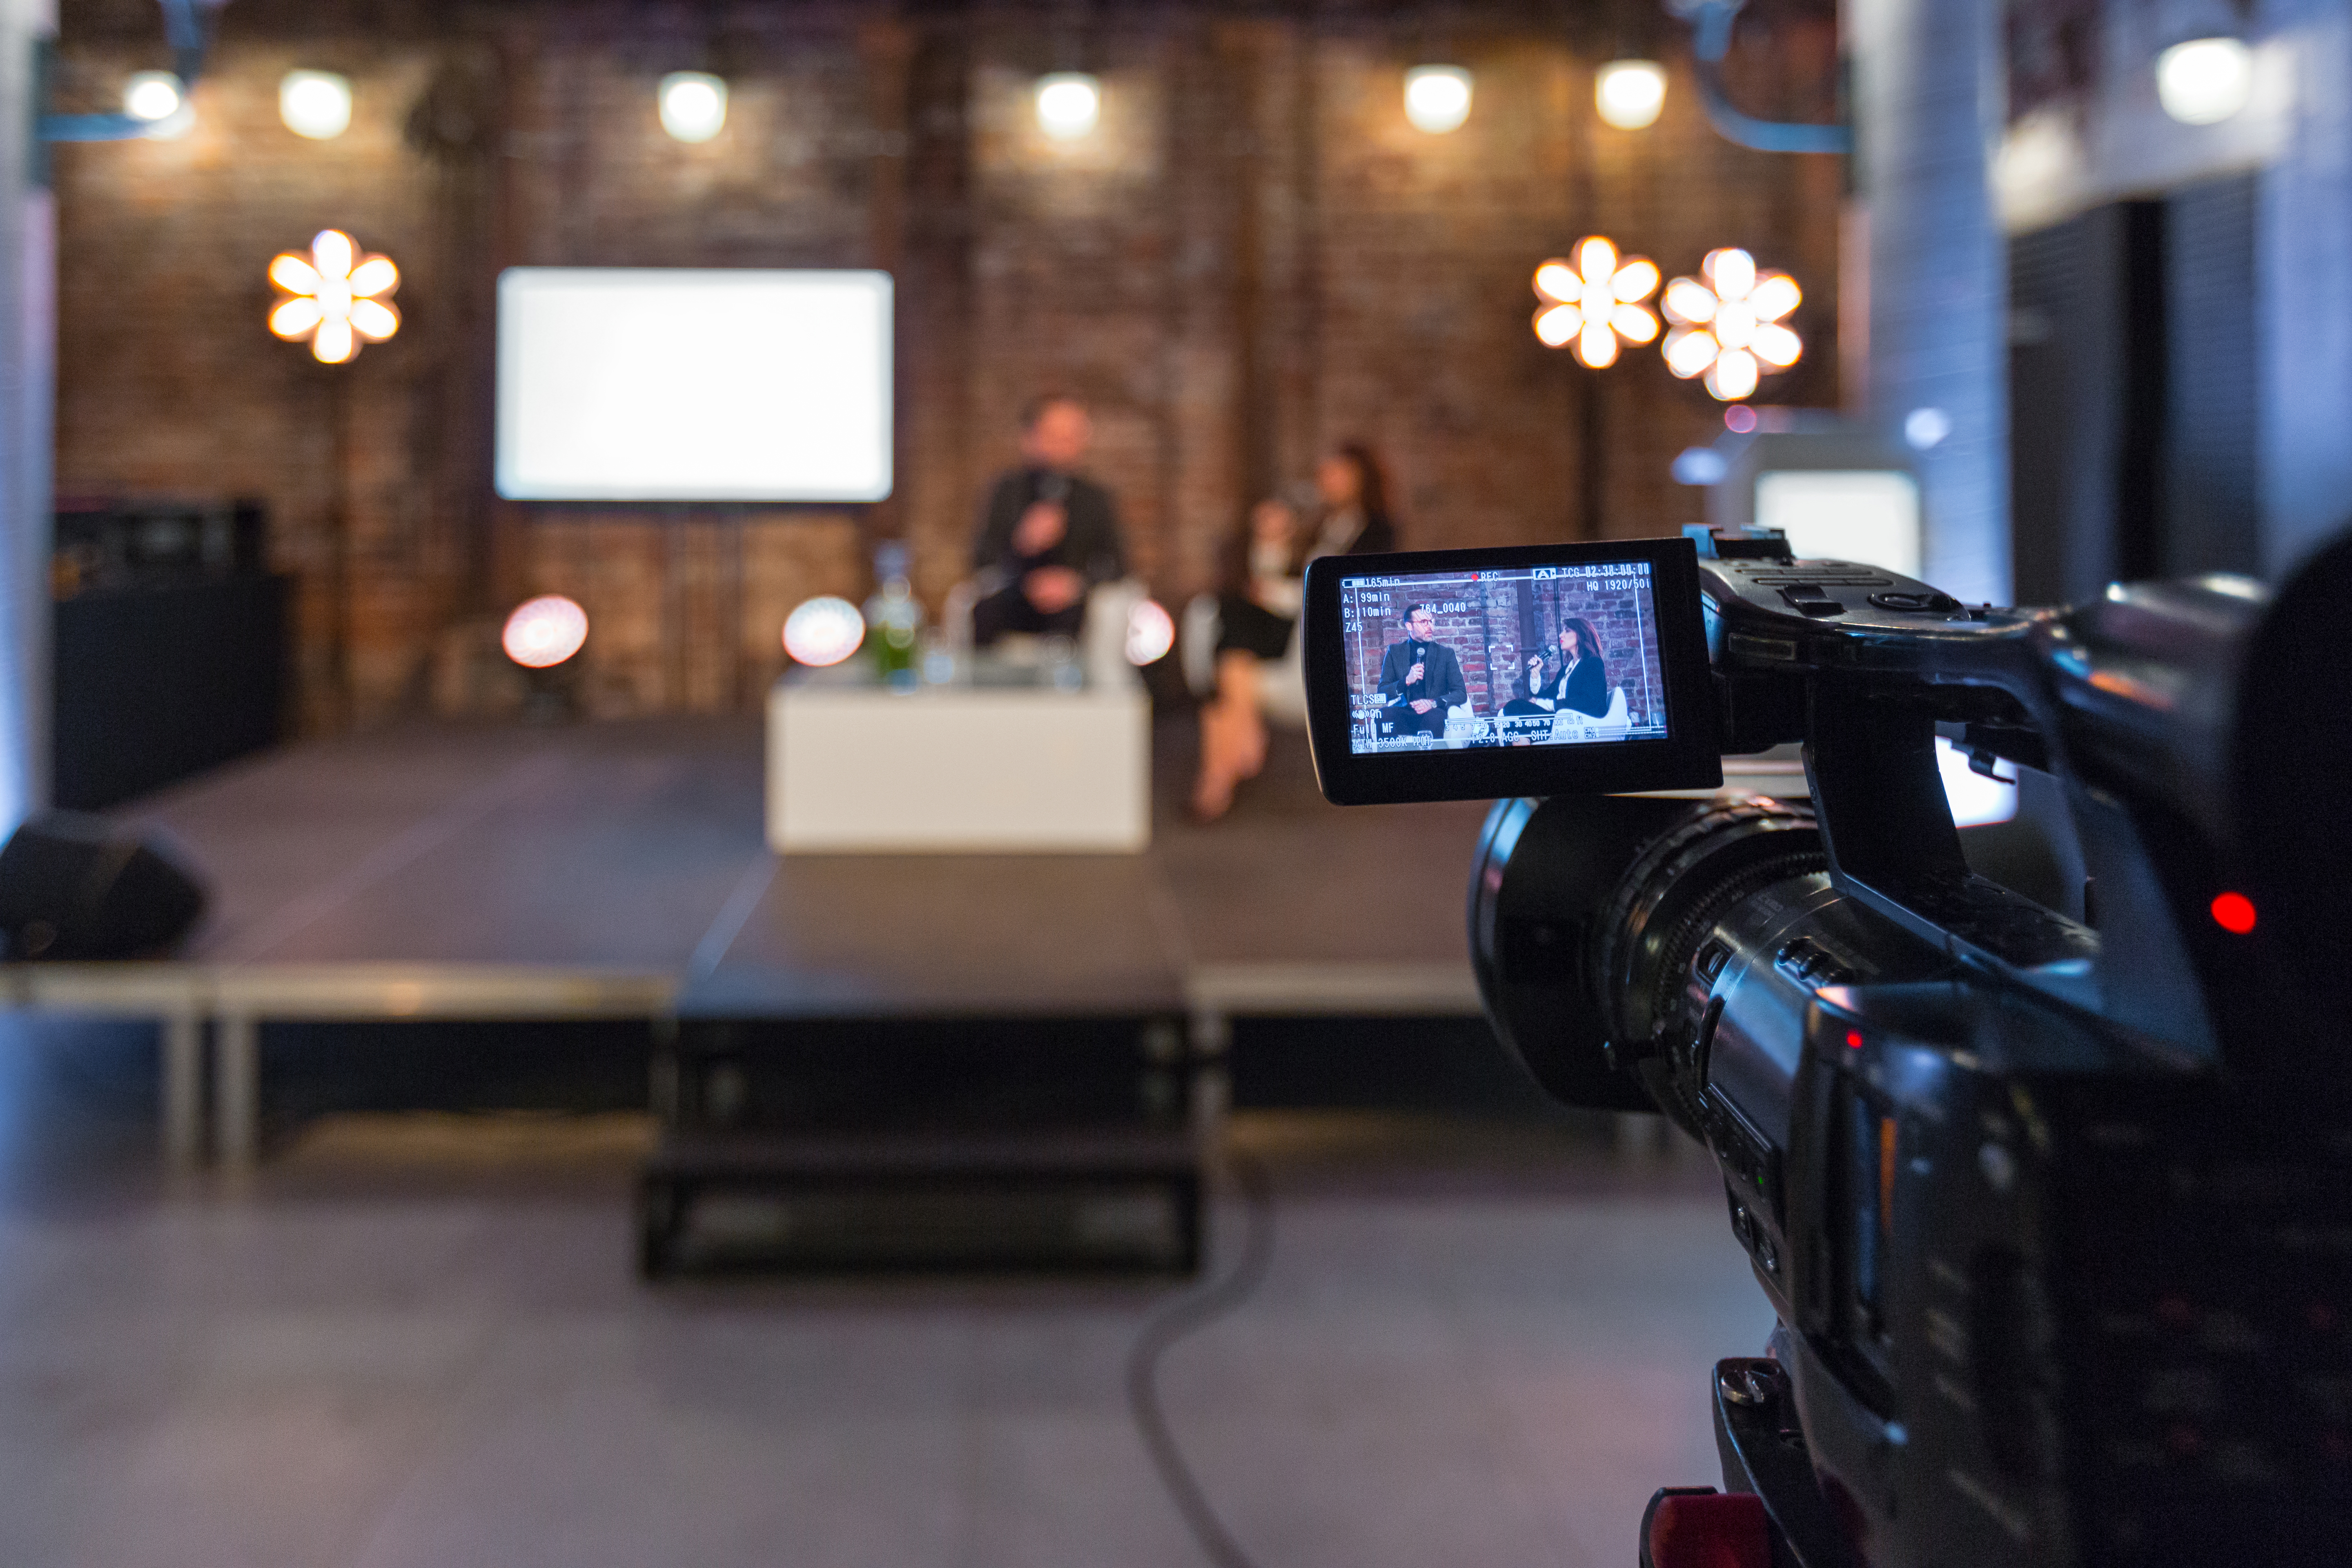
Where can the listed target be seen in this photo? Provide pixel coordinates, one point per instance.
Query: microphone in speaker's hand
(1044, 522)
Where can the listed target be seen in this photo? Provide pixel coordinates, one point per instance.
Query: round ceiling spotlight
(316, 104)
(1437, 98)
(693, 105)
(2205, 81)
(544, 632)
(161, 99)
(824, 630)
(1069, 104)
(1630, 93)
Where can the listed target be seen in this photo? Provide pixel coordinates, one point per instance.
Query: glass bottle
(893, 619)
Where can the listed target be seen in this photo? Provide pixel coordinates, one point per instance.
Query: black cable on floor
(1188, 1314)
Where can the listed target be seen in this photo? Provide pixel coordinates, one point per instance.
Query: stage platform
(619, 870)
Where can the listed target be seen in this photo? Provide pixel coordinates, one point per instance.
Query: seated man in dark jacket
(1575, 679)
(1046, 535)
(1420, 678)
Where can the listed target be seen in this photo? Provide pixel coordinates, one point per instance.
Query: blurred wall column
(1926, 97)
(2304, 274)
(27, 395)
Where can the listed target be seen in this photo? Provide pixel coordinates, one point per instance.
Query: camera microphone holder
(1863, 664)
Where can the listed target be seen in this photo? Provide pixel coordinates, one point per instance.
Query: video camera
(2047, 1174)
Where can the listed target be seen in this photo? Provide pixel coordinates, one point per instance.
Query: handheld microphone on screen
(1416, 652)
(1054, 487)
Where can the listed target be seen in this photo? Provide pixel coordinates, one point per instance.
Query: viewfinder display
(1529, 656)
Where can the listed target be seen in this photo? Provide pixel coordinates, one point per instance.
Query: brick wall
(1256, 258)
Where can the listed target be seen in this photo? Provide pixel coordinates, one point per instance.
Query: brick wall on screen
(1630, 659)
(1255, 258)
(1523, 621)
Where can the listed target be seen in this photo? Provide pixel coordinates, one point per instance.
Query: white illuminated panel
(1870, 515)
(689, 385)
(1975, 800)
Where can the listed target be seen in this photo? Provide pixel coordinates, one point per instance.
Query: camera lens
(1585, 917)
(1649, 931)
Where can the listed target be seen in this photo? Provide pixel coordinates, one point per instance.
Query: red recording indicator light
(2234, 913)
(1854, 1039)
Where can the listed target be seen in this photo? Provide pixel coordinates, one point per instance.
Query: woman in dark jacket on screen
(1575, 679)
(1258, 614)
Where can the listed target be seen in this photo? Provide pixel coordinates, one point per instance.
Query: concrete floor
(416, 1341)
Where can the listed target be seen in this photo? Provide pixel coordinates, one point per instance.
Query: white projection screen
(687, 385)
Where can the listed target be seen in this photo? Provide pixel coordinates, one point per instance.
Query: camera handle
(1887, 827)
(1871, 758)
(1881, 798)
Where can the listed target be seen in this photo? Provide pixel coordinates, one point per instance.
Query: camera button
(1928, 603)
(1809, 600)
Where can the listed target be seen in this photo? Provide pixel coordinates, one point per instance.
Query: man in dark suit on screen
(1420, 678)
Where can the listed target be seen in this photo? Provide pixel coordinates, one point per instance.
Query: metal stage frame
(618, 870)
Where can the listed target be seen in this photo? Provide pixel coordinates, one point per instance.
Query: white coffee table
(858, 768)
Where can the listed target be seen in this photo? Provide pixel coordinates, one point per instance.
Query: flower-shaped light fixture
(335, 297)
(1595, 300)
(1726, 324)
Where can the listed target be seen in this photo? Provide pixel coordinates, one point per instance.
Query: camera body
(2053, 1194)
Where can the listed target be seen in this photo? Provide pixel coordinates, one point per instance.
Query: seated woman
(1259, 615)
(1575, 678)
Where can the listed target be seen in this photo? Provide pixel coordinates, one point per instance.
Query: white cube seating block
(958, 771)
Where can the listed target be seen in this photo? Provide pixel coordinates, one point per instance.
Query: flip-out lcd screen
(1471, 674)
(1532, 656)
